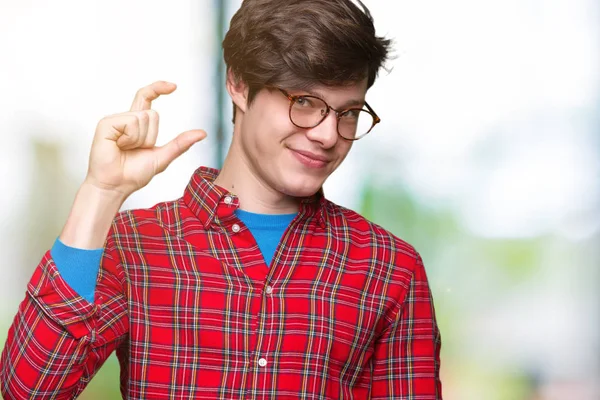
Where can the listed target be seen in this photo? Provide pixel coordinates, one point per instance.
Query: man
(252, 285)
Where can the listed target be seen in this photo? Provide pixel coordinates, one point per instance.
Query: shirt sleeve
(58, 339)
(406, 361)
(78, 267)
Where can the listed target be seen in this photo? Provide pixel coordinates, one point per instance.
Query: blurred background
(487, 160)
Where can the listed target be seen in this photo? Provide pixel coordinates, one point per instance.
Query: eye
(303, 101)
(351, 114)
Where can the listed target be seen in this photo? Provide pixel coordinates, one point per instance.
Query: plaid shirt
(185, 298)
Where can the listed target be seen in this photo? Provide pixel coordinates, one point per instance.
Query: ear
(238, 91)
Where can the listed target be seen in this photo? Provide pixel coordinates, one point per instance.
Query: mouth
(311, 160)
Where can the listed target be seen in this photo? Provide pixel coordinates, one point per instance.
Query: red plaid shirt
(185, 298)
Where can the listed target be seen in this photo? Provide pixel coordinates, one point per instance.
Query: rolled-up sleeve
(58, 339)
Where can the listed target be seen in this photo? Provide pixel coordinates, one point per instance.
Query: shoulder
(360, 231)
(376, 252)
(154, 220)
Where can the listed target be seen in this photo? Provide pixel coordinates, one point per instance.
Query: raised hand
(124, 157)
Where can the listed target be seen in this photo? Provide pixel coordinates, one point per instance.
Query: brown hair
(298, 44)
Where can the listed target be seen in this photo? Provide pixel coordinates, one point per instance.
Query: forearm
(78, 251)
(91, 216)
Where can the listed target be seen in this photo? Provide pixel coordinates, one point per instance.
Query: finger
(144, 97)
(114, 127)
(152, 130)
(143, 122)
(176, 147)
(131, 130)
(125, 131)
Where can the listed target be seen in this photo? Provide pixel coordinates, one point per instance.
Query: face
(291, 160)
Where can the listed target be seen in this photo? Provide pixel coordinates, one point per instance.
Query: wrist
(100, 195)
(95, 190)
(90, 218)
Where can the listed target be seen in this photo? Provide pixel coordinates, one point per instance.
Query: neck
(239, 177)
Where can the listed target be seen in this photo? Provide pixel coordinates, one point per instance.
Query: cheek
(264, 137)
(270, 118)
(273, 137)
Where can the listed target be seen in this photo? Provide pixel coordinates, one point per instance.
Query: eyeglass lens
(309, 111)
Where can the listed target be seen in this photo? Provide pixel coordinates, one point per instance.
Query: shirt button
(262, 362)
(235, 228)
(269, 289)
(228, 200)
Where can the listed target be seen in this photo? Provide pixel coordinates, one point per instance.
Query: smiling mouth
(309, 159)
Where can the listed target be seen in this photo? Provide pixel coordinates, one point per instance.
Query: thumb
(176, 147)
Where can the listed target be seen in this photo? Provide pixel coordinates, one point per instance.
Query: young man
(252, 285)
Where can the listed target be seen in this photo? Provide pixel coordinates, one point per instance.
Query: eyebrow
(345, 106)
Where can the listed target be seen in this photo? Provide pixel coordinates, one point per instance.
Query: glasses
(307, 111)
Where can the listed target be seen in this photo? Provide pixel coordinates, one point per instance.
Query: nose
(326, 132)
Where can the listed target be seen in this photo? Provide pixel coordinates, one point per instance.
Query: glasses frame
(369, 110)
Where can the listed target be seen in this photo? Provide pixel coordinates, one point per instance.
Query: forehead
(351, 93)
(334, 90)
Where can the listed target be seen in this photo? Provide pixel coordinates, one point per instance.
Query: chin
(301, 189)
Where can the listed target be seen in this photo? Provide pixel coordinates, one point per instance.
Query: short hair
(297, 44)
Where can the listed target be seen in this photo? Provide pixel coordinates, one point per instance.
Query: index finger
(144, 97)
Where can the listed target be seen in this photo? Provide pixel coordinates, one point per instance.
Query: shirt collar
(213, 204)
